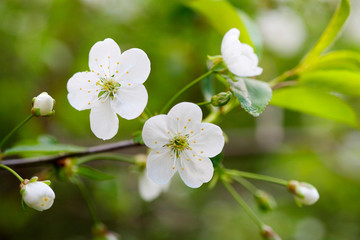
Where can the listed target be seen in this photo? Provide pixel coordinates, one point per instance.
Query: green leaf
(92, 173)
(345, 60)
(253, 95)
(330, 33)
(44, 148)
(341, 81)
(217, 159)
(223, 16)
(315, 102)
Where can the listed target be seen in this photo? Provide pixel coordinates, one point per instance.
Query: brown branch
(21, 162)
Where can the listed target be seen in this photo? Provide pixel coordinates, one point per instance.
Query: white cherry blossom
(180, 142)
(43, 105)
(114, 85)
(304, 193)
(37, 195)
(148, 189)
(239, 57)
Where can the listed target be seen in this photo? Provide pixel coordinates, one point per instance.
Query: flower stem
(243, 204)
(113, 157)
(84, 192)
(3, 141)
(184, 90)
(13, 172)
(203, 103)
(248, 185)
(256, 176)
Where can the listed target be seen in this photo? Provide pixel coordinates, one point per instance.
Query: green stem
(214, 116)
(184, 90)
(111, 157)
(14, 130)
(256, 176)
(243, 204)
(84, 192)
(148, 112)
(203, 103)
(13, 172)
(248, 185)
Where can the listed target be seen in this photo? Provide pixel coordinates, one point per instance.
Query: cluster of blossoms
(179, 141)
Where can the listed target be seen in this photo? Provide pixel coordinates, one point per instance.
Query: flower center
(109, 88)
(178, 144)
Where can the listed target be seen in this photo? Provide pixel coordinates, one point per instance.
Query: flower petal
(134, 67)
(130, 102)
(186, 116)
(208, 141)
(104, 57)
(82, 90)
(148, 189)
(156, 132)
(103, 121)
(194, 170)
(239, 58)
(160, 166)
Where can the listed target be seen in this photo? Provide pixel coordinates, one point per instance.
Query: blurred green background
(44, 42)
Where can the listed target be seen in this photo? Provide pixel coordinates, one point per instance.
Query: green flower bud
(221, 99)
(265, 201)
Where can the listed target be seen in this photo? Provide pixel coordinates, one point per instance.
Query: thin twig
(54, 158)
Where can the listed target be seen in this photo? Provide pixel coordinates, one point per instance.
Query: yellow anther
(194, 141)
(45, 199)
(98, 74)
(42, 204)
(108, 56)
(182, 168)
(127, 72)
(88, 80)
(199, 159)
(173, 167)
(202, 151)
(129, 84)
(187, 159)
(157, 151)
(155, 142)
(96, 59)
(177, 118)
(117, 71)
(102, 101)
(100, 65)
(189, 119)
(185, 127)
(171, 155)
(88, 91)
(190, 149)
(97, 90)
(80, 88)
(192, 132)
(193, 155)
(92, 70)
(168, 132)
(117, 63)
(105, 75)
(88, 103)
(202, 129)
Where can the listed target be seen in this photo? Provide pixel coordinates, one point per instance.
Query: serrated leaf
(223, 16)
(339, 60)
(315, 102)
(253, 95)
(331, 31)
(44, 148)
(92, 173)
(341, 81)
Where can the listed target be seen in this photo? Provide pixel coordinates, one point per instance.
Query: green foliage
(42, 149)
(315, 102)
(341, 81)
(253, 95)
(92, 173)
(330, 33)
(346, 60)
(217, 159)
(223, 16)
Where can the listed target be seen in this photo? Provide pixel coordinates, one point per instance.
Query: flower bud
(268, 233)
(37, 195)
(221, 99)
(265, 202)
(304, 193)
(43, 105)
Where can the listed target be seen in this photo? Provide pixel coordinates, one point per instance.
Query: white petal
(103, 121)
(186, 116)
(239, 58)
(130, 102)
(148, 189)
(208, 141)
(160, 166)
(134, 67)
(194, 170)
(104, 57)
(38, 196)
(156, 131)
(82, 90)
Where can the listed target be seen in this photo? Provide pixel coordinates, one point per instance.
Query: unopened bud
(43, 105)
(37, 195)
(221, 99)
(304, 193)
(268, 233)
(264, 201)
